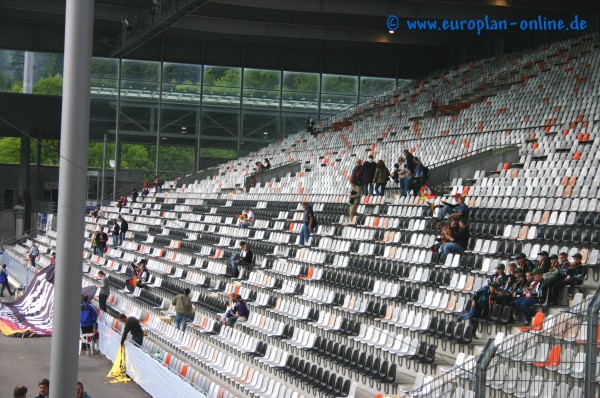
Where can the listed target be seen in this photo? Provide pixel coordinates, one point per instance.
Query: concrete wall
(465, 168)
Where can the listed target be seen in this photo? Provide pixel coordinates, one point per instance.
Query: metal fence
(556, 357)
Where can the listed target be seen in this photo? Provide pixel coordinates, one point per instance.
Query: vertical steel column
(591, 346)
(280, 121)
(159, 118)
(103, 168)
(320, 86)
(241, 110)
(483, 362)
(64, 359)
(117, 122)
(199, 117)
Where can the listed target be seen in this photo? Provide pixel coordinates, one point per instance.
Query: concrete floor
(27, 361)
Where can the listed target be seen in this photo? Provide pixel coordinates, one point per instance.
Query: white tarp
(152, 376)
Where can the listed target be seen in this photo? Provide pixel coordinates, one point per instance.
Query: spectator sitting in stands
(246, 219)
(267, 164)
(229, 305)
(410, 161)
(500, 276)
(259, 167)
(535, 293)
(511, 269)
(554, 264)
(460, 209)
(514, 282)
(571, 277)
(483, 300)
(459, 240)
(447, 232)
(145, 189)
(544, 261)
(53, 259)
(96, 214)
(243, 258)
(368, 173)
(122, 202)
(140, 272)
(524, 263)
(239, 312)
(310, 125)
(134, 195)
(563, 260)
(381, 177)
(413, 184)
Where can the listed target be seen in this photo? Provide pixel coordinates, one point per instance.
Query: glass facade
(191, 115)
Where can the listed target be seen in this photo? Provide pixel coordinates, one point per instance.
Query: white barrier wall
(156, 379)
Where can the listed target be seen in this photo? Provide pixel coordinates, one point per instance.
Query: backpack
(358, 175)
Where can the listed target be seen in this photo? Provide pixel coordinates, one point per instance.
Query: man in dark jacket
(410, 161)
(571, 277)
(524, 263)
(483, 299)
(124, 229)
(368, 173)
(544, 261)
(4, 282)
(459, 241)
(88, 317)
(534, 294)
(116, 231)
(132, 325)
(357, 174)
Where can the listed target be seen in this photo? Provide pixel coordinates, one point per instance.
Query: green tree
(5, 82)
(17, 62)
(17, 87)
(49, 86)
(49, 64)
(10, 150)
(135, 157)
(50, 152)
(187, 87)
(175, 158)
(95, 152)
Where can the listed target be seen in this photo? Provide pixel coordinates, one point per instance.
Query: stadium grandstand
(331, 302)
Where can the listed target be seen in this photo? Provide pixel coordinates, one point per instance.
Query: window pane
(339, 92)
(140, 80)
(181, 83)
(301, 92)
(373, 86)
(261, 88)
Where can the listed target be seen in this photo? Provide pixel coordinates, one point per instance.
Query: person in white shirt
(246, 219)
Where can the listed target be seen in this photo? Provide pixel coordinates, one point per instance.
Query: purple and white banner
(31, 315)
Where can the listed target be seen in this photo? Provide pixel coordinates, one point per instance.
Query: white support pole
(64, 358)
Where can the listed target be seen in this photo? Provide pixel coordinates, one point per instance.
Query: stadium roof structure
(332, 36)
